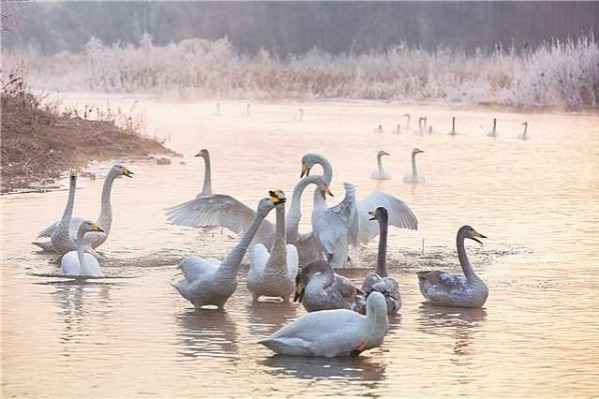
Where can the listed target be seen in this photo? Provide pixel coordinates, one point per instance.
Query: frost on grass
(556, 74)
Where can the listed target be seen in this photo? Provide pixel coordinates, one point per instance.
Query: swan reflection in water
(268, 315)
(206, 333)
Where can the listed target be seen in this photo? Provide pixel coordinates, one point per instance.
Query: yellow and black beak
(477, 234)
(374, 214)
(305, 170)
(325, 190)
(73, 174)
(299, 292)
(201, 153)
(127, 172)
(95, 227)
(277, 197)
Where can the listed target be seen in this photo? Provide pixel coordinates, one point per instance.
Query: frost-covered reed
(556, 74)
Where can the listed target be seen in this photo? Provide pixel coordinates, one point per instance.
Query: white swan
(61, 238)
(379, 281)
(380, 174)
(94, 239)
(397, 130)
(446, 289)
(331, 333)
(407, 121)
(421, 125)
(400, 215)
(318, 287)
(453, 131)
(523, 136)
(273, 274)
(207, 187)
(493, 133)
(79, 263)
(210, 282)
(414, 177)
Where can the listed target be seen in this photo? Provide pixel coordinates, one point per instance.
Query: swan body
(441, 288)
(453, 132)
(273, 274)
(318, 287)
(96, 238)
(400, 215)
(79, 263)
(61, 239)
(209, 282)
(379, 281)
(414, 177)
(523, 136)
(332, 333)
(380, 174)
(493, 133)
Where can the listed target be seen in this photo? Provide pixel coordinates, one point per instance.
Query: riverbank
(38, 144)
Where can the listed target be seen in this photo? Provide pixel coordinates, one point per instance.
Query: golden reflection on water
(131, 334)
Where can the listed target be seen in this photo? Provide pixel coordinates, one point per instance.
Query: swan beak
(373, 214)
(95, 227)
(299, 292)
(277, 197)
(386, 153)
(326, 191)
(305, 170)
(477, 234)
(127, 172)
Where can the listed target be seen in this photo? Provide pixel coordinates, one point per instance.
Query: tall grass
(556, 74)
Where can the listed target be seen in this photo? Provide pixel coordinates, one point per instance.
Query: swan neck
(414, 170)
(295, 211)
(379, 321)
(494, 124)
(381, 263)
(379, 160)
(525, 129)
(327, 169)
(281, 234)
(464, 262)
(207, 189)
(80, 252)
(453, 124)
(408, 122)
(68, 210)
(105, 218)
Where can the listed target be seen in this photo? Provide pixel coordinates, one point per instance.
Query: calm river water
(132, 335)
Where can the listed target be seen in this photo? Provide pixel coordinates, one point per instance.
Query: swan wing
(258, 259)
(47, 232)
(400, 214)
(347, 213)
(194, 268)
(216, 210)
(292, 261)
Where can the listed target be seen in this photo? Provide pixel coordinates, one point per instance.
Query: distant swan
(207, 187)
(331, 333)
(493, 133)
(453, 132)
(397, 130)
(318, 287)
(523, 136)
(379, 281)
(94, 239)
(407, 116)
(273, 274)
(380, 174)
(446, 289)
(79, 263)
(212, 282)
(421, 125)
(414, 177)
(378, 129)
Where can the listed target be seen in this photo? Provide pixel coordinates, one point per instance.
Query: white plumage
(79, 263)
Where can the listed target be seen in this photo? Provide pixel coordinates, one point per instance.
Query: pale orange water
(132, 335)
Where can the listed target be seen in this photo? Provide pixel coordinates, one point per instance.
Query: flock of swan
(342, 319)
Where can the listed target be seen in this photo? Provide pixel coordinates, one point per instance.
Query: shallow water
(131, 334)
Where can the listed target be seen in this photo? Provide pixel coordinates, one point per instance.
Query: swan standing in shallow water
(61, 237)
(493, 133)
(453, 132)
(94, 239)
(379, 281)
(414, 177)
(331, 333)
(79, 263)
(380, 174)
(318, 287)
(207, 187)
(467, 291)
(523, 136)
(273, 274)
(212, 282)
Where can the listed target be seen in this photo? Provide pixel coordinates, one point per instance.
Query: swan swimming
(414, 177)
(379, 281)
(453, 132)
(407, 116)
(441, 288)
(212, 282)
(397, 130)
(523, 136)
(273, 274)
(318, 287)
(493, 133)
(378, 129)
(380, 174)
(79, 263)
(94, 239)
(331, 333)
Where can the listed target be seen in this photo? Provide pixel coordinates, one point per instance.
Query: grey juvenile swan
(212, 282)
(380, 280)
(468, 291)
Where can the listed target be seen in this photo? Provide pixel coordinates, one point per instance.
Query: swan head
(416, 151)
(277, 196)
(379, 213)
(525, 123)
(305, 274)
(381, 153)
(203, 153)
(308, 161)
(469, 232)
(72, 175)
(89, 226)
(266, 205)
(122, 171)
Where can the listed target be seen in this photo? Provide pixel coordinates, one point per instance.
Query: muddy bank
(38, 145)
